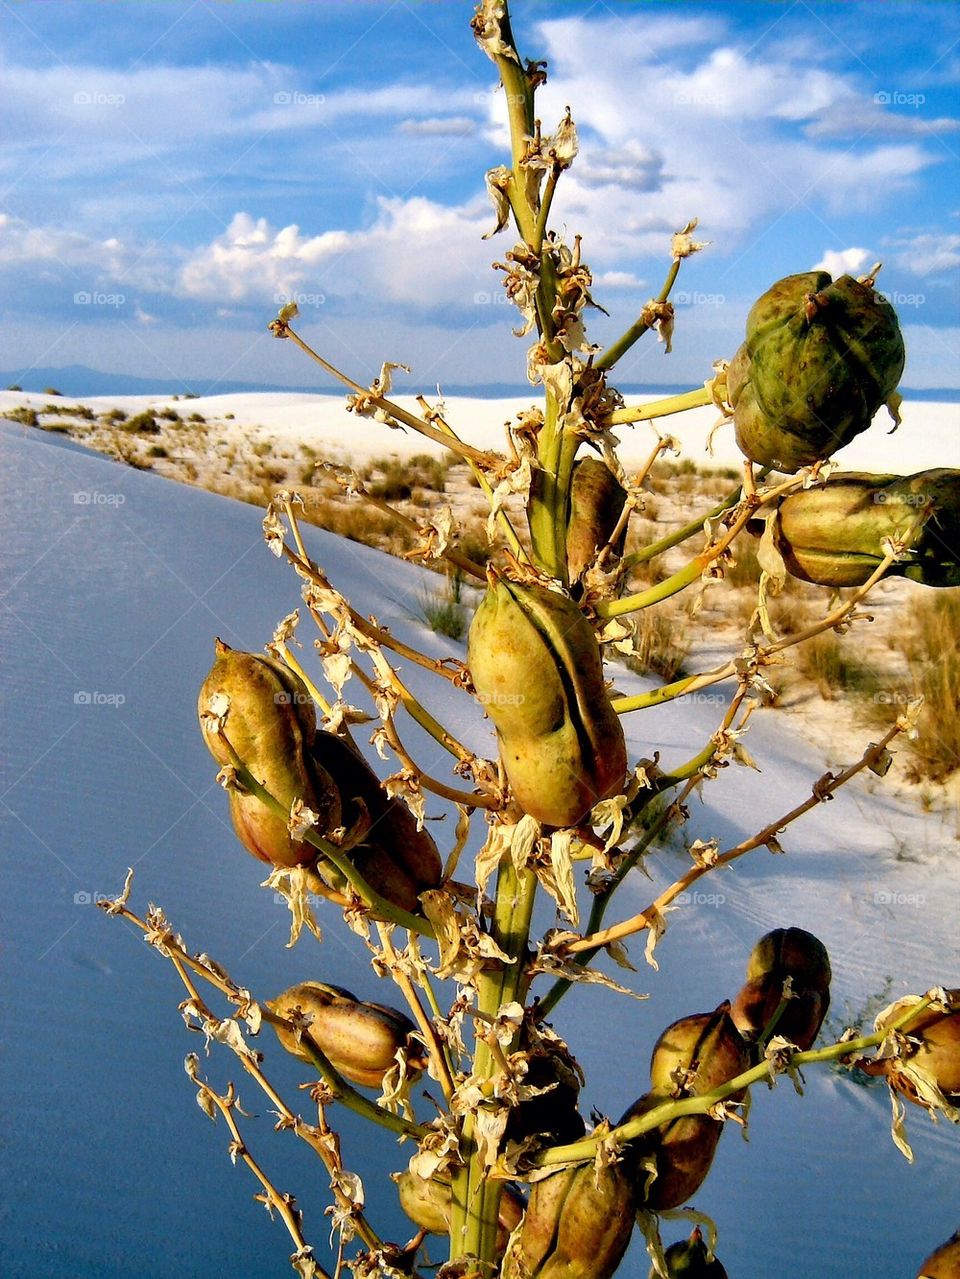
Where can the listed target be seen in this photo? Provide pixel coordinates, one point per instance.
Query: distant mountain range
(79, 380)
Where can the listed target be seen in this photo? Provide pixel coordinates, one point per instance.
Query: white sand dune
(108, 1166)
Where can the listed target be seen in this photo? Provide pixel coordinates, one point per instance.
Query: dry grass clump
(661, 643)
(830, 663)
(928, 642)
(399, 479)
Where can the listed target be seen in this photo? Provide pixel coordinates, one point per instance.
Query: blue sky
(170, 170)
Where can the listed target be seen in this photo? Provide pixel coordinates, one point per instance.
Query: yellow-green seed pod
(397, 860)
(270, 724)
(783, 953)
(689, 1259)
(944, 1263)
(596, 502)
(835, 534)
(361, 1040)
(536, 666)
(577, 1226)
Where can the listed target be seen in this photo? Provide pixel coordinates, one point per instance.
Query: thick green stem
(660, 408)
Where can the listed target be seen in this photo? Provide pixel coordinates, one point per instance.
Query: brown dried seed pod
(697, 1054)
(689, 1259)
(931, 1045)
(944, 1263)
(397, 860)
(361, 1040)
(596, 502)
(783, 953)
(680, 1151)
(577, 1225)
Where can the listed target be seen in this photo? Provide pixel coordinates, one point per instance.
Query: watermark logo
(97, 98)
(885, 897)
(300, 299)
(501, 699)
(900, 499)
(87, 898)
(897, 98)
(485, 298)
(686, 298)
(90, 497)
(700, 899)
(690, 98)
(292, 699)
(84, 697)
(93, 297)
(294, 98)
(896, 298)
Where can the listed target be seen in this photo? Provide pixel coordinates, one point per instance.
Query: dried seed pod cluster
(536, 666)
(269, 722)
(786, 965)
(361, 1040)
(820, 358)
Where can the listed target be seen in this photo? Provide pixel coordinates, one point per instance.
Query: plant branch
(699, 398)
(640, 326)
(586, 1149)
(822, 790)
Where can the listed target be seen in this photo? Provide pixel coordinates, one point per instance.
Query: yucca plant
(502, 1164)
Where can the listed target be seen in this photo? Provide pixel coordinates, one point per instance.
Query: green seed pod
(577, 1226)
(820, 358)
(783, 953)
(395, 858)
(689, 1259)
(833, 535)
(932, 1047)
(944, 1263)
(270, 723)
(427, 1202)
(697, 1054)
(360, 1040)
(536, 666)
(681, 1151)
(596, 502)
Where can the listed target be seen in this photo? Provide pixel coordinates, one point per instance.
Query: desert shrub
(443, 610)
(142, 424)
(22, 414)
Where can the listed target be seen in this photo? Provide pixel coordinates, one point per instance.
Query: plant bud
(397, 860)
(596, 503)
(577, 1226)
(945, 1262)
(360, 1040)
(932, 1048)
(820, 358)
(697, 1054)
(834, 535)
(783, 953)
(270, 724)
(689, 1259)
(536, 666)
(427, 1202)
